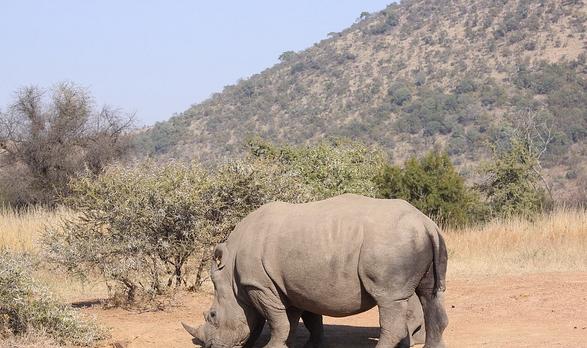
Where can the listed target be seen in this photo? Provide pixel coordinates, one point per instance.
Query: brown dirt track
(532, 310)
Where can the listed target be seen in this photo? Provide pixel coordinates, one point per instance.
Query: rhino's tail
(440, 258)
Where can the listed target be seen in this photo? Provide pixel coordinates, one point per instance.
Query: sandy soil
(536, 310)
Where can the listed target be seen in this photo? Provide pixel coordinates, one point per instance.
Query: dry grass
(30, 340)
(20, 230)
(552, 242)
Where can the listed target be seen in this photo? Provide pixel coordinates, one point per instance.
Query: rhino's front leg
(256, 331)
(283, 324)
(314, 324)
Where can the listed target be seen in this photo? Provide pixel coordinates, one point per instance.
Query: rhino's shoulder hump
(352, 199)
(273, 207)
(398, 203)
(267, 210)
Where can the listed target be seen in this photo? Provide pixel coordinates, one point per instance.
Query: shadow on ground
(343, 336)
(86, 304)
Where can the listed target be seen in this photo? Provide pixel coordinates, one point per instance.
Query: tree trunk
(178, 265)
(200, 272)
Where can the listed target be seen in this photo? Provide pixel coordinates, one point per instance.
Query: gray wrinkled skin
(336, 257)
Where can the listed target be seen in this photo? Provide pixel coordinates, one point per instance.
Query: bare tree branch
(537, 135)
(58, 132)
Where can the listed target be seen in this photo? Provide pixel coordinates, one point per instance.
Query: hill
(450, 73)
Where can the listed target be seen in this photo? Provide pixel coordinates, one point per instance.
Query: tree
(287, 56)
(364, 15)
(399, 93)
(512, 180)
(432, 185)
(45, 141)
(534, 130)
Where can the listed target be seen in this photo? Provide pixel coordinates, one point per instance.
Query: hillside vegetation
(454, 74)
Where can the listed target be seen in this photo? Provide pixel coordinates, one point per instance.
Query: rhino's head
(228, 323)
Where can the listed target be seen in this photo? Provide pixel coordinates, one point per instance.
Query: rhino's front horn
(195, 332)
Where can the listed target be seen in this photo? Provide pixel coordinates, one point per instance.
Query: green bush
(162, 137)
(390, 20)
(512, 180)
(27, 307)
(137, 226)
(432, 185)
(327, 169)
(143, 227)
(399, 94)
(466, 85)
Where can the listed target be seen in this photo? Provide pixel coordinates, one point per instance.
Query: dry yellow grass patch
(20, 230)
(552, 242)
(30, 340)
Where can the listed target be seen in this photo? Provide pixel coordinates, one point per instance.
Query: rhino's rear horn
(193, 331)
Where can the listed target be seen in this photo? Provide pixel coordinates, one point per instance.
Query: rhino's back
(345, 207)
(311, 251)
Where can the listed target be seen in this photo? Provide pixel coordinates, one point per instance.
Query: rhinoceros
(336, 257)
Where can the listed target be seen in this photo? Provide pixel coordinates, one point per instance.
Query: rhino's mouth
(223, 345)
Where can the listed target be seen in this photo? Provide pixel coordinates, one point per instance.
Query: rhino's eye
(211, 317)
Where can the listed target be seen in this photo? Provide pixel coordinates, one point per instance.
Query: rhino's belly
(334, 301)
(328, 285)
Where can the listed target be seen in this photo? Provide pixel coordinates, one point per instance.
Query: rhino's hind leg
(435, 317)
(313, 322)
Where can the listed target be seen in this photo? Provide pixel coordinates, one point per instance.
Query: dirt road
(537, 310)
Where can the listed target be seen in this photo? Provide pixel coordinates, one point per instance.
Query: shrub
(329, 168)
(162, 137)
(287, 56)
(298, 67)
(137, 227)
(432, 185)
(27, 307)
(466, 85)
(390, 20)
(239, 187)
(408, 123)
(142, 227)
(420, 78)
(399, 94)
(512, 180)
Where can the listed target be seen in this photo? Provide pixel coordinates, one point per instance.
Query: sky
(156, 58)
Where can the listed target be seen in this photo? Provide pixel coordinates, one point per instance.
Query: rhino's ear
(220, 253)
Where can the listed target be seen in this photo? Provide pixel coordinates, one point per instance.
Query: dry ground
(532, 310)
